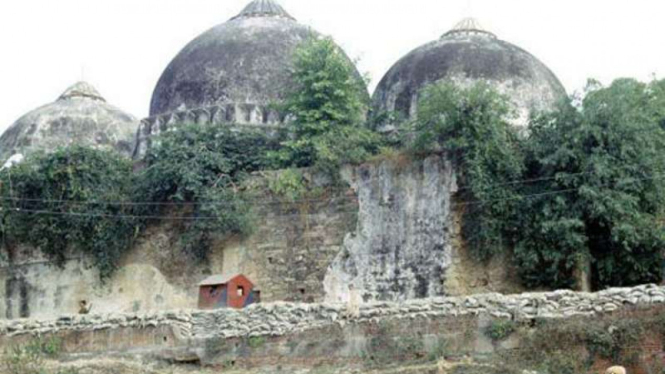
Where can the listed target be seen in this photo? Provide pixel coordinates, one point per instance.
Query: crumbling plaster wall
(402, 245)
(38, 288)
(285, 257)
(407, 243)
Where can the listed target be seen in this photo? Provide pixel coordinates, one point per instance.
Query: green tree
(74, 199)
(327, 106)
(598, 191)
(470, 125)
(199, 170)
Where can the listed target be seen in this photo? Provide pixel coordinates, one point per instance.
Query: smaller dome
(465, 55)
(80, 116)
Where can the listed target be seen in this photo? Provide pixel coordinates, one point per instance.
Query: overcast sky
(122, 46)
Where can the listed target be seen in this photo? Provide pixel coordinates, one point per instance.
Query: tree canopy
(582, 187)
(327, 108)
(199, 169)
(604, 163)
(471, 126)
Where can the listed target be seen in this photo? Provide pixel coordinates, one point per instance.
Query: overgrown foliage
(327, 106)
(471, 126)
(80, 199)
(580, 189)
(598, 194)
(582, 186)
(73, 199)
(289, 184)
(198, 170)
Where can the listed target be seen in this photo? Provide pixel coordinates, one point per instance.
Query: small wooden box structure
(227, 291)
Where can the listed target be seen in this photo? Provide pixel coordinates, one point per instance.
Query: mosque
(232, 74)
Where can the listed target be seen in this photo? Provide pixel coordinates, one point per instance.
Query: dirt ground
(125, 366)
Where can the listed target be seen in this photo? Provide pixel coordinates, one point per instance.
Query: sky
(123, 46)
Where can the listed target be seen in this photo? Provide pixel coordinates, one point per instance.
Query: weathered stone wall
(309, 335)
(286, 257)
(391, 235)
(294, 245)
(403, 243)
(283, 318)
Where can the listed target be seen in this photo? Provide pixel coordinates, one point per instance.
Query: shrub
(74, 198)
(328, 105)
(583, 186)
(573, 346)
(198, 170)
(289, 184)
(597, 192)
(256, 341)
(470, 126)
(558, 363)
(500, 329)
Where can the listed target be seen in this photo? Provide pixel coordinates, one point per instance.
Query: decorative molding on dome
(234, 115)
(263, 8)
(81, 90)
(468, 26)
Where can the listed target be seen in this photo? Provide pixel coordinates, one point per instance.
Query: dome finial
(468, 25)
(263, 8)
(81, 90)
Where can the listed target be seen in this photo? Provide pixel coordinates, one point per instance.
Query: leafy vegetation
(72, 199)
(580, 189)
(256, 341)
(471, 126)
(23, 360)
(604, 161)
(199, 170)
(192, 175)
(500, 329)
(583, 187)
(80, 199)
(288, 184)
(327, 107)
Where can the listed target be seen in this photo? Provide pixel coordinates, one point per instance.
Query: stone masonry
(282, 318)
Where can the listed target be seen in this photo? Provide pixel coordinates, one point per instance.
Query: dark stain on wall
(17, 296)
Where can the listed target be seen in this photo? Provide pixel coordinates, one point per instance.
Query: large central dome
(235, 70)
(464, 55)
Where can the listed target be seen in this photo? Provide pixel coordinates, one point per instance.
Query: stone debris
(282, 318)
